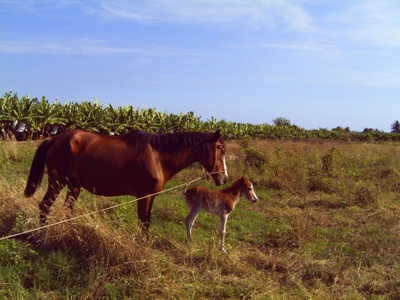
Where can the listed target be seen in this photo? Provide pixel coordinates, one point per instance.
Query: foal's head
(247, 190)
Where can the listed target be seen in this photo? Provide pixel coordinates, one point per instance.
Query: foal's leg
(74, 189)
(190, 219)
(223, 219)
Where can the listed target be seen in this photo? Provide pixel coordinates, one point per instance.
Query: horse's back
(198, 192)
(78, 141)
(66, 151)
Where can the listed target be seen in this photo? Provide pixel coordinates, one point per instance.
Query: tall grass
(327, 226)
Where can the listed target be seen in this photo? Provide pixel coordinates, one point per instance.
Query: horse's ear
(217, 134)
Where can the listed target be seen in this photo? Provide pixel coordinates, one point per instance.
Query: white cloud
(375, 23)
(316, 49)
(77, 47)
(91, 47)
(38, 6)
(257, 12)
(368, 22)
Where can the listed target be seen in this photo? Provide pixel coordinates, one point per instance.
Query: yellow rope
(107, 208)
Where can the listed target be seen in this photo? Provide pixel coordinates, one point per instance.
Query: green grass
(326, 226)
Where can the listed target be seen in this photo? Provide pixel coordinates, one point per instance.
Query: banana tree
(16, 115)
(88, 116)
(116, 121)
(181, 122)
(46, 114)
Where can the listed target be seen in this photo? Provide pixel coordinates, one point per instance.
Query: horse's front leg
(144, 213)
(223, 219)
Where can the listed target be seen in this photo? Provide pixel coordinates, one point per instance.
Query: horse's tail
(37, 168)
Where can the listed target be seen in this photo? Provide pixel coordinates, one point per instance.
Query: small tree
(395, 127)
(282, 122)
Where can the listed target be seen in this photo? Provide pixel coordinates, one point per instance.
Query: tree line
(32, 118)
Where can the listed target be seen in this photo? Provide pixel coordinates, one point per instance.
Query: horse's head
(216, 165)
(248, 190)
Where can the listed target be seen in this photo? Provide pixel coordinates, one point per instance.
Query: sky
(318, 63)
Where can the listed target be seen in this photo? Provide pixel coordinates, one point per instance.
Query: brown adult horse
(137, 163)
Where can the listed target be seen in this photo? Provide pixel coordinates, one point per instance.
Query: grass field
(327, 226)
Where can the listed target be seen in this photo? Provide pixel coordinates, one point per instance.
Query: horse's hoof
(39, 237)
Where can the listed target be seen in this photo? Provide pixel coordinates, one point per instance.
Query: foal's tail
(37, 168)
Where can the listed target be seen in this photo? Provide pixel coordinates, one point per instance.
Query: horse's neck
(174, 163)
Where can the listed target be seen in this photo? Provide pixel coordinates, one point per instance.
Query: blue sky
(320, 64)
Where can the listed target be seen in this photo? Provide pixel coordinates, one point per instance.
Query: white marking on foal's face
(254, 198)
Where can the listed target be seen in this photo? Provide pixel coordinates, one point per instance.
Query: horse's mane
(168, 142)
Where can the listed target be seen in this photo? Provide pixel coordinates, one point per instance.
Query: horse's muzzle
(220, 180)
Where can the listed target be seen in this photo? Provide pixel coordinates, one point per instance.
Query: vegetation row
(30, 118)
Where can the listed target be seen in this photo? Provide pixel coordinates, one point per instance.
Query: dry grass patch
(326, 226)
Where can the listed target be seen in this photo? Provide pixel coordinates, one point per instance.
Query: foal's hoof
(224, 251)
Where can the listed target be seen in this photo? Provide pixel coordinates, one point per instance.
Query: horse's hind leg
(74, 189)
(53, 190)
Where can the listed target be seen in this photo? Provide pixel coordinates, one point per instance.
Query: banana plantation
(27, 119)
